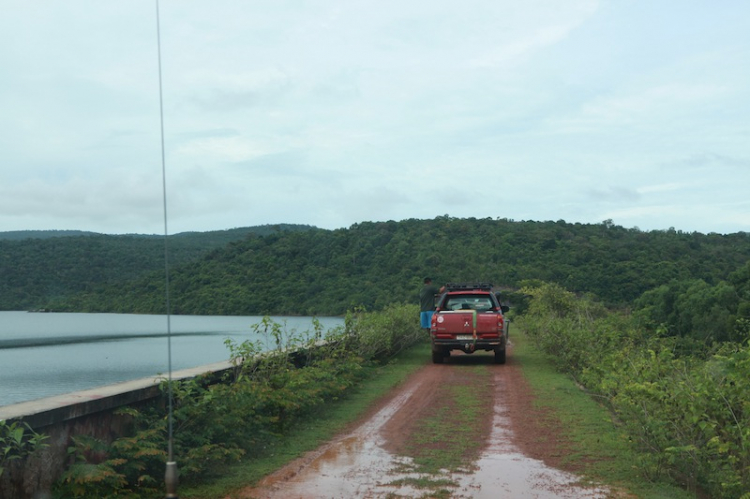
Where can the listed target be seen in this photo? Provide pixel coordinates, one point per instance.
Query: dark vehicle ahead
(469, 317)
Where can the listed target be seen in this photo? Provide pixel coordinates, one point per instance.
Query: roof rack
(466, 286)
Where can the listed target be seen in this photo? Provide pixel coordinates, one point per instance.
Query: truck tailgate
(467, 322)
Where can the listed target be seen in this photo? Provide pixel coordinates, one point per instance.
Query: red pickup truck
(468, 317)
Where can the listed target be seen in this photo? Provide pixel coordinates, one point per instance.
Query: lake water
(46, 354)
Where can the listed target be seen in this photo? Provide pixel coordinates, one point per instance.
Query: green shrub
(381, 335)
(17, 440)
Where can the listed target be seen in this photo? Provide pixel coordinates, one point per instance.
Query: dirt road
(518, 459)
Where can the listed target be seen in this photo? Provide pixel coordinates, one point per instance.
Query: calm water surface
(43, 354)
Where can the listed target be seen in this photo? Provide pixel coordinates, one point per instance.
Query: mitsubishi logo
(466, 324)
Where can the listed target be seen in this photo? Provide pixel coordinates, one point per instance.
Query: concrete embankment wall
(88, 412)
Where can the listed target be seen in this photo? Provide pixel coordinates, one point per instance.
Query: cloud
(519, 50)
(645, 109)
(659, 188)
(615, 194)
(129, 199)
(218, 150)
(714, 160)
(235, 91)
(735, 219)
(281, 165)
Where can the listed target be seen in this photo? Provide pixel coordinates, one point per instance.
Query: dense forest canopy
(372, 264)
(17, 235)
(39, 266)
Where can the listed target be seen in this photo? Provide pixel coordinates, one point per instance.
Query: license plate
(464, 337)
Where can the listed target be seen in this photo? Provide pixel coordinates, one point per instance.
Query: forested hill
(39, 266)
(17, 235)
(373, 264)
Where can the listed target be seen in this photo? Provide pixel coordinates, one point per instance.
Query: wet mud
(363, 463)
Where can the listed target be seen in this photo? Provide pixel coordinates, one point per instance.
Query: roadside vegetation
(680, 396)
(249, 415)
(17, 441)
(594, 444)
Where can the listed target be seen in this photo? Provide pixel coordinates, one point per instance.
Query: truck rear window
(481, 303)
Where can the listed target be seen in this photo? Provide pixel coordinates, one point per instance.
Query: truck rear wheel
(500, 356)
(437, 357)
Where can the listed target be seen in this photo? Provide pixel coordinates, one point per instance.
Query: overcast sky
(331, 113)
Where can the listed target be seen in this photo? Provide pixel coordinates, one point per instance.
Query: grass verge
(315, 430)
(598, 446)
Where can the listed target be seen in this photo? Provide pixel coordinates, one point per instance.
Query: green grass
(598, 444)
(423, 482)
(315, 430)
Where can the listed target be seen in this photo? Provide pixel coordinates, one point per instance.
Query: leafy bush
(379, 336)
(698, 313)
(17, 440)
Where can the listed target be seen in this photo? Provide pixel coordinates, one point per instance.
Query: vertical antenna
(170, 476)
